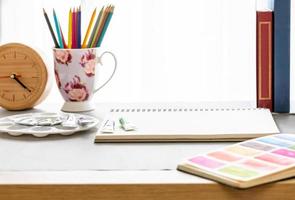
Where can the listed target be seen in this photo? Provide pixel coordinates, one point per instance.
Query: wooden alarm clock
(23, 77)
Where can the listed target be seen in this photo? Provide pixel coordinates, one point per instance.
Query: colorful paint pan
(285, 152)
(206, 162)
(287, 137)
(257, 146)
(276, 159)
(274, 141)
(239, 172)
(258, 165)
(224, 156)
(243, 151)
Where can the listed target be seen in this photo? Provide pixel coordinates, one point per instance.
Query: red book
(264, 59)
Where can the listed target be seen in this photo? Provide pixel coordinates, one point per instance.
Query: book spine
(292, 57)
(264, 57)
(282, 56)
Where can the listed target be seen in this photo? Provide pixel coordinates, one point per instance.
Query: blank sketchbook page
(191, 124)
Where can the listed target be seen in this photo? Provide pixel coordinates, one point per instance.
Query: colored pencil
(62, 38)
(79, 28)
(100, 26)
(105, 26)
(94, 34)
(84, 45)
(58, 30)
(95, 28)
(70, 30)
(74, 29)
(50, 29)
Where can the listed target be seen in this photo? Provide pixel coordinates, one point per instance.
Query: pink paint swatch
(285, 152)
(206, 162)
(272, 158)
(258, 165)
(222, 155)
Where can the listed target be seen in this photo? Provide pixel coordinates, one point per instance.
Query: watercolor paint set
(247, 164)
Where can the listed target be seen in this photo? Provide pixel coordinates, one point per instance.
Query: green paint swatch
(292, 147)
(239, 172)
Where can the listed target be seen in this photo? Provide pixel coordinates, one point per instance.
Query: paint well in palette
(285, 152)
(239, 172)
(206, 162)
(258, 146)
(244, 151)
(258, 165)
(222, 155)
(287, 137)
(276, 159)
(274, 141)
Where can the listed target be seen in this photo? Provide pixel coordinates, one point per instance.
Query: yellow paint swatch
(244, 151)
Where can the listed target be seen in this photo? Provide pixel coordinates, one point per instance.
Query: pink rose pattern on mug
(88, 62)
(76, 90)
(75, 73)
(63, 57)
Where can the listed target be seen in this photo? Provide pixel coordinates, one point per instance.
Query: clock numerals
(14, 97)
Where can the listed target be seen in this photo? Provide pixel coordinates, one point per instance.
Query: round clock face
(23, 76)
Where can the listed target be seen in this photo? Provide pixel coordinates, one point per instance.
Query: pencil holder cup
(76, 73)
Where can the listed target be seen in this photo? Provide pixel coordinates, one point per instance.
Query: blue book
(282, 56)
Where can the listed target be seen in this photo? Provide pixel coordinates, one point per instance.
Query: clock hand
(13, 76)
(10, 76)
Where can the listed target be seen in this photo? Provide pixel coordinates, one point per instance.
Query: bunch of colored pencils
(97, 29)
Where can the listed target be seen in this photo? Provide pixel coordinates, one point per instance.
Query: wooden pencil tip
(44, 11)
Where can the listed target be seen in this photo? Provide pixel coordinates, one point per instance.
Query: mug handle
(113, 73)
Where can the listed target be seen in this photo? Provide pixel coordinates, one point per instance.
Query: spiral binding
(180, 109)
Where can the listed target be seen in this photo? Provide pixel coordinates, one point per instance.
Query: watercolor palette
(43, 124)
(249, 163)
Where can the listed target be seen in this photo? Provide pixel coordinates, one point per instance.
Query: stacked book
(274, 72)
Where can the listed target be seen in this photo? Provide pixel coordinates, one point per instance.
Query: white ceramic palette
(37, 124)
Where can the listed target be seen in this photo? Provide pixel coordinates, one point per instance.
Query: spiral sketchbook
(186, 124)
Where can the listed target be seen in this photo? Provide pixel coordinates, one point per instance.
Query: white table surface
(79, 152)
(70, 167)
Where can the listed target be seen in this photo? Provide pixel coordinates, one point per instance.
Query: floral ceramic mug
(76, 73)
